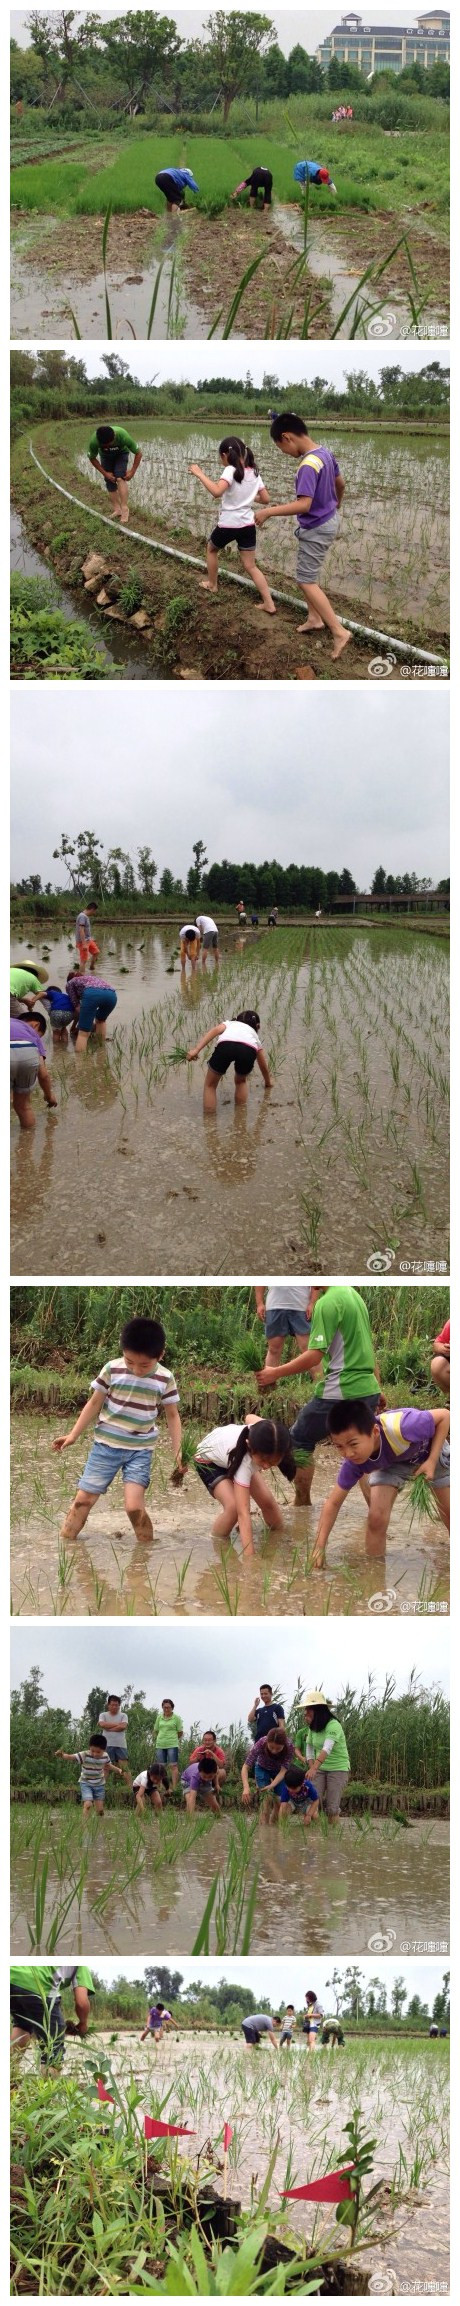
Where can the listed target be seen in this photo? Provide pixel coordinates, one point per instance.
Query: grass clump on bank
(45, 644)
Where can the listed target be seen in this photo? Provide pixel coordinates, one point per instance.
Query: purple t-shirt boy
(316, 478)
(192, 1777)
(156, 2017)
(405, 1439)
(22, 1034)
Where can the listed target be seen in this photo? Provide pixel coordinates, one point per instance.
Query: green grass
(367, 171)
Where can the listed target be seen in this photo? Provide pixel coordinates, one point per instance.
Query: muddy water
(43, 302)
(113, 1166)
(378, 1889)
(210, 2076)
(298, 2097)
(29, 563)
(327, 262)
(277, 1582)
(384, 568)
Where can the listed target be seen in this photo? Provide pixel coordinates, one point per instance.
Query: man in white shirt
(209, 936)
(284, 1308)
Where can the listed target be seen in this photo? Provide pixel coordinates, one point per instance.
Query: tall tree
(140, 48)
(235, 43)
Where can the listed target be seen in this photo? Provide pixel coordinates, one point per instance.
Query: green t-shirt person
(48, 1980)
(121, 440)
(25, 981)
(331, 1741)
(167, 1730)
(341, 1331)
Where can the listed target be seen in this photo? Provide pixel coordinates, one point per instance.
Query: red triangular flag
(228, 2135)
(104, 2095)
(334, 2188)
(164, 2129)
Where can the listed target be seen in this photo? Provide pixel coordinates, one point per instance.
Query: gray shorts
(330, 1786)
(24, 1064)
(313, 545)
(397, 1476)
(210, 938)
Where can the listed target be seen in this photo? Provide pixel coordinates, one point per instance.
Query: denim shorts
(285, 1322)
(166, 1754)
(91, 1793)
(119, 461)
(103, 1463)
(95, 1005)
(263, 1778)
(397, 1476)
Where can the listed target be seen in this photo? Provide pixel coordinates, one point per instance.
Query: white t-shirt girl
(235, 506)
(234, 1030)
(216, 1449)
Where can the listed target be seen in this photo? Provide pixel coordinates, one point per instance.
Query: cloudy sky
(296, 364)
(338, 777)
(307, 25)
(283, 1981)
(213, 1671)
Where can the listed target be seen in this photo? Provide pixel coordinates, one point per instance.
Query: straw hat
(315, 1697)
(34, 969)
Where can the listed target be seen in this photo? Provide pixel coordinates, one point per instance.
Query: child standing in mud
(236, 492)
(237, 1043)
(230, 1462)
(124, 1403)
(319, 492)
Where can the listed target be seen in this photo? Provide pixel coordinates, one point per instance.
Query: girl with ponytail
(230, 1460)
(237, 490)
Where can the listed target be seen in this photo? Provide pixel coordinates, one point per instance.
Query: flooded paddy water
(186, 1571)
(390, 563)
(402, 2088)
(346, 1156)
(119, 1883)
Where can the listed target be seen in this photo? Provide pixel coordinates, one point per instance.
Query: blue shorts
(95, 1005)
(103, 1463)
(285, 1322)
(263, 1778)
(91, 1793)
(166, 1754)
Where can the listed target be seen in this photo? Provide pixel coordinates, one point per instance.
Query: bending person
(109, 451)
(230, 1462)
(237, 1043)
(260, 180)
(174, 183)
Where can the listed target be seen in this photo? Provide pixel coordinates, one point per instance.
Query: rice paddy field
(288, 2114)
(206, 1885)
(346, 1159)
(392, 187)
(388, 569)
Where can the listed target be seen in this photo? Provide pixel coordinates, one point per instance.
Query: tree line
(137, 63)
(359, 2002)
(111, 877)
(52, 383)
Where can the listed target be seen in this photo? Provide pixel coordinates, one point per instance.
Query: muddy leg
(78, 1513)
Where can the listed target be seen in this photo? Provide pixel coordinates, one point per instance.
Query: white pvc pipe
(172, 552)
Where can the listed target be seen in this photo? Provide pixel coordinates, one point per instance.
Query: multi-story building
(390, 47)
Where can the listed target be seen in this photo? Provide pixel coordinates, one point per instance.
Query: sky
(212, 1671)
(333, 779)
(281, 1981)
(307, 26)
(296, 364)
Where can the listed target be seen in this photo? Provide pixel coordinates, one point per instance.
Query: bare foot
(142, 1526)
(124, 518)
(341, 642)
(269, 608)
(313, 625)
(206, 587)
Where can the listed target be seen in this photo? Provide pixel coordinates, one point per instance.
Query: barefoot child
(199, 1781)
(124, 1400)
(109, 451)
(267, 1761)
(158, 2018)
(299, 1793)
(319, 492)
(387, 1449)
(94, 1769)
(189, 945)
(237, 1043)
(237, 490)
(151, 1785)
(230, 1460)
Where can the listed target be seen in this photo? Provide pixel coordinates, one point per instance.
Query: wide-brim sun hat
(34, 969)
(315, 1697)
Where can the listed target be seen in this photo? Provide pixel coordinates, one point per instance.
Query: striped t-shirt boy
(128, 1417)
(93, 1767)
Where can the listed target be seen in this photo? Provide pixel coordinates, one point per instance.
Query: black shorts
(245, 538)
(210, 1473)
(261, 181)
(172, 191)
(234, 1053)
(311, 1425)
(48, 2026)
(116, 468)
